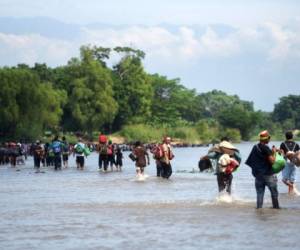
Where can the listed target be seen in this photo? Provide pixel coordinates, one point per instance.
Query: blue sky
(248, 48)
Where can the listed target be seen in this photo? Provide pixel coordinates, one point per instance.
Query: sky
(247, 48)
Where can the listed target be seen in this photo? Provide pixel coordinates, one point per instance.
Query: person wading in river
(167, 156)
(224, 178)
(260, 160)
(141, 155)
(289, 147)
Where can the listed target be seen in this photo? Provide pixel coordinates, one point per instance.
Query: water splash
(224, 197)
(141, 177)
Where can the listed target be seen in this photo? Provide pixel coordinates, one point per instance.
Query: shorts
(289, 172)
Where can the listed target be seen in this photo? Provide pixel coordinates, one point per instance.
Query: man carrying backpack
(79, 152)
(167, 156)
(102, 149)
(289, 147)
(57, 147)
(157, 152)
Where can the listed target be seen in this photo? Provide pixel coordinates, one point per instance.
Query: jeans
(260, 183)
(289, 172)
(224, 182)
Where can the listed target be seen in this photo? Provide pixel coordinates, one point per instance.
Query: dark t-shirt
(266, 151)
(289, 146)
(258, 160)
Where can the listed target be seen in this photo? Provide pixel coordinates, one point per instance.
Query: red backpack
(158, 152)
(102, 139)
(110, 149)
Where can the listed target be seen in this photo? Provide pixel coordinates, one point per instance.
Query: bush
(232, 133)
(184, 134)
(141, 132)
(208, 131)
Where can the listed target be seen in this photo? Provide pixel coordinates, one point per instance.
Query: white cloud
(214, 45)
(285, 42)
(160, 44)
(33, 48)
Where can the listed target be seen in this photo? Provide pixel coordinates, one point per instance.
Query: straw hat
(228, 145)
(264, 135)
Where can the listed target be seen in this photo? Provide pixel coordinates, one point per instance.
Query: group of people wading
(265, 163)
(162, 153)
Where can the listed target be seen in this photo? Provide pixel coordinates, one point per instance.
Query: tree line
(89, 95)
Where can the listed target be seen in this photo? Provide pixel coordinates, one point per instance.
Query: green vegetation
(87, 95)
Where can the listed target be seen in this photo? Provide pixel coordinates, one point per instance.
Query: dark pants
(37, 161)
(49, 161)
(103, 160)
(158, 169)
(80, 160)
(271, 182)
(224, 182)
(166, 170)
(57, 161)
(65, 157)
(111, 160)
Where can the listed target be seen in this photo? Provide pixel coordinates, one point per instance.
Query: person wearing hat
(220, 151)
(289, 147)
(260, 160)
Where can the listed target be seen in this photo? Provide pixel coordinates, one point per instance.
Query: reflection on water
(72, 209)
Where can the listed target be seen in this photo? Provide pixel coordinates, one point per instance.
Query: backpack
(288, 149)
(102, 139)
(65, 147)
(79, 149)
(56, 146)
(158, 152)
(109, 149)
(103, 149)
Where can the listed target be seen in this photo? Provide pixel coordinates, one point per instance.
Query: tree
(164, 107)
(99, 54)
(287, 112)
(132, 88)
(239, 117)
(29, 105)
(91, 104)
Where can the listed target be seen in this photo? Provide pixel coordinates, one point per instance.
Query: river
(73, 209)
